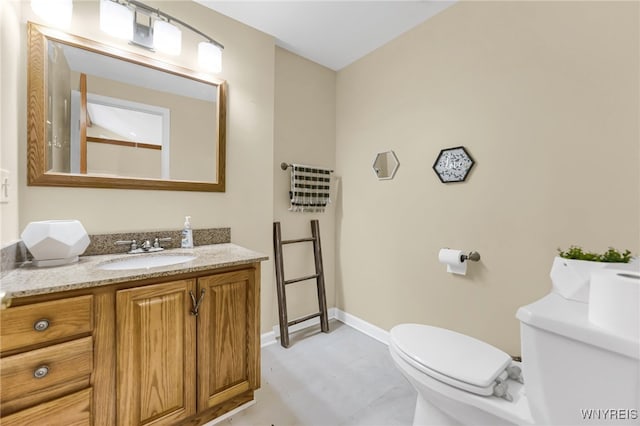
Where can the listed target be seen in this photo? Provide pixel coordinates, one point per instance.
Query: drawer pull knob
(41, 325)
(41, 372)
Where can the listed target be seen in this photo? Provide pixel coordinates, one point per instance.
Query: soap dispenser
(187, 233)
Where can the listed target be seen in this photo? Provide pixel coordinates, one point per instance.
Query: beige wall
(247, 205)
(110, 160)
(11, 78)
(304, 129)
(544, 95)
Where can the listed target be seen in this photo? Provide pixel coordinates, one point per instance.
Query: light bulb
(116, 19)
(54, 12)
(209, 57)
(167, 38)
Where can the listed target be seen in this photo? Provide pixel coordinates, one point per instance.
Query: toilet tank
(575, 372)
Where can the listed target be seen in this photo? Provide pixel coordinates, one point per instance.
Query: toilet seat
(453, 358)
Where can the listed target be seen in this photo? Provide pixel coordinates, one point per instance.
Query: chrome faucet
(145, 247)
(134, 245)
(157, 241)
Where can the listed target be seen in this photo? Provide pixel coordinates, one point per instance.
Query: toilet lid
(451, 357)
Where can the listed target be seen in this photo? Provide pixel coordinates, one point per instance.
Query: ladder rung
(295, 280)
(299, 320)
(299, 240)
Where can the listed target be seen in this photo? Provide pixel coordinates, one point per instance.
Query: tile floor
(343, 377)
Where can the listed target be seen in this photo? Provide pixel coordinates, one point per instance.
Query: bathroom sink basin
(145, 262)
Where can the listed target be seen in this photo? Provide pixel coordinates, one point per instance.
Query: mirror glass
(385, 165)
(115, 119)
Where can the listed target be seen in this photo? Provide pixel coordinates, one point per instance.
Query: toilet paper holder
(473, 256)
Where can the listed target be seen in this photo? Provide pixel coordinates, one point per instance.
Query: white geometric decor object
(570, 277)
(55, 242)
(614, 302)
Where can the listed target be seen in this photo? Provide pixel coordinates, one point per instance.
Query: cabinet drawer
(43, 371)
(44, 322)
(74, 409)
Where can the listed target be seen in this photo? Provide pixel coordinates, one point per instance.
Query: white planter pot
(571, 277)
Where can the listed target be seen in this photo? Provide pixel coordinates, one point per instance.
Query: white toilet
(574, 372)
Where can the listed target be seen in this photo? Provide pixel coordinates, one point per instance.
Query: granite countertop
(28, 280)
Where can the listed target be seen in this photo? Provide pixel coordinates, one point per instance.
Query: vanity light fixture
(210, 56)
(167, 38)
(54, 12)
(116, 19)
(155, 30)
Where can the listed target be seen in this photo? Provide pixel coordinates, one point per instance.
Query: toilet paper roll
(453, 260)
(614, 302)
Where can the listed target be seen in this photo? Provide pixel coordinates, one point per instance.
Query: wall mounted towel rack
(278, 242)
(285, 166)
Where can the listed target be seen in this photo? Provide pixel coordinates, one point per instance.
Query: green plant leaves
(611, 256)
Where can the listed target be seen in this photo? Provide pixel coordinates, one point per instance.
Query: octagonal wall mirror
(105, 118)
(385, 165)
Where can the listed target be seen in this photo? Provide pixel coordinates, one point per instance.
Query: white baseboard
(361, 325)
(271, 337)
(268, 338)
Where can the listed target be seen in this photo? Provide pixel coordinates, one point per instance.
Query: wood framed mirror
(100, 117)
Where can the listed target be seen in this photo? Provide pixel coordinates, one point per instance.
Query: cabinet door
(155, 354)
(228, 347)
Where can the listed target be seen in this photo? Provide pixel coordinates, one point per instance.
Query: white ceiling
(331, 33)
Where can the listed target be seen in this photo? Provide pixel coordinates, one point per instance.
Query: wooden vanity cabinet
(133, 353)
(187, 347)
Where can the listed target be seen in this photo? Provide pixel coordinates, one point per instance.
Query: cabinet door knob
(41, 324)
(41, 372)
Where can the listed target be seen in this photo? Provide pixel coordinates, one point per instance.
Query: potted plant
(571, 270)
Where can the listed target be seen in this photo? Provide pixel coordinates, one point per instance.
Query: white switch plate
(5, 181)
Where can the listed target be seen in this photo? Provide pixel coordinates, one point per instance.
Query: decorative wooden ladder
(281, 282)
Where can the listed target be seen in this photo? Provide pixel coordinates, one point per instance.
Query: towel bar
(285, 166)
